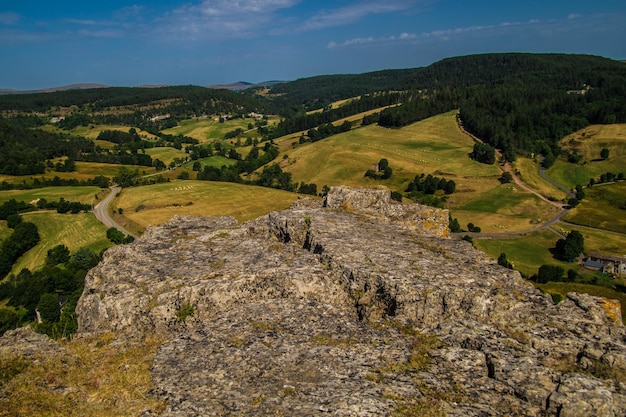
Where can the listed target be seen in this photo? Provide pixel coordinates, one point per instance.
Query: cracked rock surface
(361, 307)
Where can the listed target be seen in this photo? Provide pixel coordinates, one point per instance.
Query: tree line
(47, 297)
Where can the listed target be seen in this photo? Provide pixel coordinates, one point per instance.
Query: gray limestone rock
(361, 307)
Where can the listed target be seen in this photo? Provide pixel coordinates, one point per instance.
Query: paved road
(101, 211)
(542, 172)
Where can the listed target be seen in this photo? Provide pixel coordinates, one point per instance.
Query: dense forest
(515, 102)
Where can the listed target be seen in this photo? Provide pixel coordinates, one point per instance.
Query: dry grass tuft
(97, 376)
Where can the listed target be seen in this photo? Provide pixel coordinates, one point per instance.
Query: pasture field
(85, 195)
(588, 143)
(335, 104)
(526, 254)
(290, 141)
(503, 208)
(432, 146)
(601, 208)
(597, 240)
(530, 252)
(529, 173)
(72, 230)
(209, 130)
(84, 171)
(216, 161)
(166, 155)
(92, 131)
(156, 204)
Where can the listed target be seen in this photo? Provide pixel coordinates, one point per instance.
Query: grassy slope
(92, 131)
(4, 230)
(435, 146)
(526, 254)
(85, 195)
(72, 230)
(158, 203)
(597, 240)
(216, 161)
(166, 155)
(209, 130)
(600, 208)
(84, 171)
(588, 143)
(529, 173)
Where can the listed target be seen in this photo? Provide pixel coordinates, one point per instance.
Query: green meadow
(84, 171)
(92, 132)
(528, 170)
(4, 230)
(167, 155)
(588, 143)
(210, 130)
(85, 195)
(597, 240)
(604, 206)
(526, 254)
(432, 146)
(72, 230)
(156, 204)
(216, 161)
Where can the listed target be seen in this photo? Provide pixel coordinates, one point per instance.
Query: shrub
(184, 311)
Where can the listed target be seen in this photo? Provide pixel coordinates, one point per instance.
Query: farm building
(615, 265)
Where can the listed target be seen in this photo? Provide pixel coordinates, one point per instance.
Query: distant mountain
(53, 89)
(243, 85)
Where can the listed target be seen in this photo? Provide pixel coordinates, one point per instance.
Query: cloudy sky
(47, 43)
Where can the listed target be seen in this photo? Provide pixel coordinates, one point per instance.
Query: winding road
(506, 167)
(101, 211)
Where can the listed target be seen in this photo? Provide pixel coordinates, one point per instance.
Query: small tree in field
(503, 261)
(604, 153)
(569, 248)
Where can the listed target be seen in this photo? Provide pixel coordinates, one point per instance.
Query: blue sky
(47, 43)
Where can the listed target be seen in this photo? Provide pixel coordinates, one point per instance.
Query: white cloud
(222, 19)
(443, 35)
(353, 12)
(9, 18)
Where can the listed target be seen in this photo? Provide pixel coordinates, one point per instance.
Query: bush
(454, 225)
(13, 220)
(49, 308)
(397, 196)
(548, 273)
(503, 261)
(8, 320)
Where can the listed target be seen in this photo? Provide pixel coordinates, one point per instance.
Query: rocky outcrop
(360, 307)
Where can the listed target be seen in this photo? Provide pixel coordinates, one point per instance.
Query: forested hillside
(520, 103)
(515, 102)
